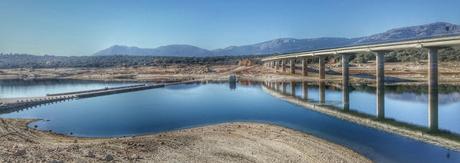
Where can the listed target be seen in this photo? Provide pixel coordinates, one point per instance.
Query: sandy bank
(230, 142)
(361, 73)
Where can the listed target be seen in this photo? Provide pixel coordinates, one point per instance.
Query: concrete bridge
(380, 49)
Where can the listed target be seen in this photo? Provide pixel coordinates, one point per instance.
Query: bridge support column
(322, 92)
(304, 67)
(322, 72)
(433, 88)
(283, 65)
(293, 88)
(380, 84)
(277, 66)
(345, 82)
(305, 90)
(284, 85)
(292, 66)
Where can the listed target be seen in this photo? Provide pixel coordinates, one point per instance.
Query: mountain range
(286, 45)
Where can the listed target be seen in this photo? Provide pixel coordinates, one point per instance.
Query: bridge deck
(422, 43)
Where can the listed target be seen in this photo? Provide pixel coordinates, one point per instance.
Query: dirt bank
(229, 142)
(360, 73)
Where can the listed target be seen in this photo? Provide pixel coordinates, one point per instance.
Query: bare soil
(228, 142)
(360, 73)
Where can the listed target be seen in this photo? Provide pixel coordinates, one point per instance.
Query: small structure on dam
(232, 81)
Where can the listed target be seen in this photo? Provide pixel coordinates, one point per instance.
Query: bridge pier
(293, 88)
(304, 67)
(283, 65)
(322, 92)
(292, 66)
(284, 85)
(305, 90)
(322, 72)
(433, 89)
(345, 82)
(380, 84)
(277, 66)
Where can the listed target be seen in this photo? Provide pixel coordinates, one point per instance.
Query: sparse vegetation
(48, 61)
(410, 55)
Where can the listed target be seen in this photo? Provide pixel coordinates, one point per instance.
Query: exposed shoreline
(226, 142)
(395, 72)
(76, 149)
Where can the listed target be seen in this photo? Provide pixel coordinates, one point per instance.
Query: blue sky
(82, 27)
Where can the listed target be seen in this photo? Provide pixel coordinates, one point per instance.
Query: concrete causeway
(8, 105)
(14, 104)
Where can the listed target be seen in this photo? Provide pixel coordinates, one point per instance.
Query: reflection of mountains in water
(444, 99)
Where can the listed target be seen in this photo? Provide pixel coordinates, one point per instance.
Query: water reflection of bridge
(281, 87)
(379, 121)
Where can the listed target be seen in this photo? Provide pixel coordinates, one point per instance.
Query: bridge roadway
(379, 49)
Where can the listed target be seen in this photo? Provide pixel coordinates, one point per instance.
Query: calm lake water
(190, 105)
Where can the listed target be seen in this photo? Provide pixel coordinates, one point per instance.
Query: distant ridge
(413, 32)
(286, 45)
(170, 50)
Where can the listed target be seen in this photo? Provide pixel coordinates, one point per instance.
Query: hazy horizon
(85, 27)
